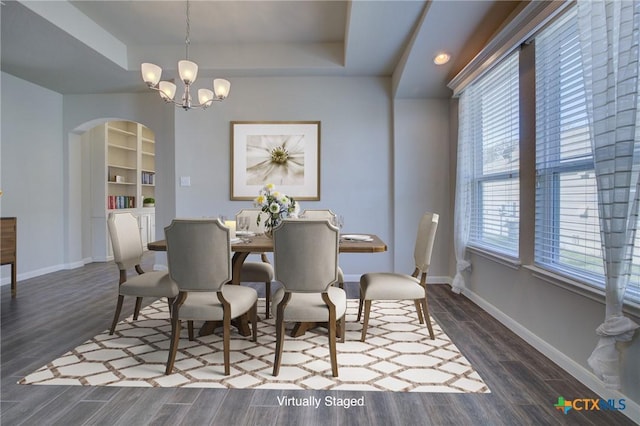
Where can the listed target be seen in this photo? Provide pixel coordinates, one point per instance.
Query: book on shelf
(115, 202)
(147, 178)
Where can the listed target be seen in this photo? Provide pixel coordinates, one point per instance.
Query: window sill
(501, 259)
(578, 287)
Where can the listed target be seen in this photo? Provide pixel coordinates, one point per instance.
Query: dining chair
(396, 286)
(126, 241)
(199, 260)
(306, 264)
(315, 214)
(253, 271)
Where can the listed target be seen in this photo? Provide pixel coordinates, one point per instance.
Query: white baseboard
(582, 374)
(49, 269)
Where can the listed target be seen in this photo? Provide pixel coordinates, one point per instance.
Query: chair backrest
(318, 214)
(124, 231)
(253, 216)
(424, 240)
(305, 255)
(198, 254)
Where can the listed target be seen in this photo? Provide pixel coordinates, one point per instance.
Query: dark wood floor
(56, 312)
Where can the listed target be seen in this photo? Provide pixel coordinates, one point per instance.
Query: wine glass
(243, 226)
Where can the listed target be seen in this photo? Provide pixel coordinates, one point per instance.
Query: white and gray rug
(397, 356)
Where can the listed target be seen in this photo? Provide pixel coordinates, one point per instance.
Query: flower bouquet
(276, 205)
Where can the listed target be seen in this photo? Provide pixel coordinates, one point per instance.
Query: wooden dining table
(260, 243)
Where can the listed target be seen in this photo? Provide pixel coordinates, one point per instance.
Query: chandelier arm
(168, 100)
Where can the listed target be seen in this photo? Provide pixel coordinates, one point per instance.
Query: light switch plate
(185, 180)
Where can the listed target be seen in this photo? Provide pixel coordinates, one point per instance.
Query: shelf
(147, 184)
(150, 154)
(147, 140)
(120, 183)
(125, 148)
(121, 131)
(116, 166)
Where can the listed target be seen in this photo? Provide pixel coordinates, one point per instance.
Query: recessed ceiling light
(441, 58)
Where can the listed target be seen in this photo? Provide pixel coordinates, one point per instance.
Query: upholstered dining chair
(395, 286)
(199, 260)
(306, 264)
(126, 241)
(253, 271)
(315, 214)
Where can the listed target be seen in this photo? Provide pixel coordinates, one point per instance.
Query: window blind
(567, 222)
(491, 136)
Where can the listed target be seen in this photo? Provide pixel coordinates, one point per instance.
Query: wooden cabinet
(8, 252)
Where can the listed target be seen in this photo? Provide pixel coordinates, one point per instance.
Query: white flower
(278, 158)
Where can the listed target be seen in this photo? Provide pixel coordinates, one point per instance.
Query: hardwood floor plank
(77, 414)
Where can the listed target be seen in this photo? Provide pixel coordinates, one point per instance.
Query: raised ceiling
(75, 47)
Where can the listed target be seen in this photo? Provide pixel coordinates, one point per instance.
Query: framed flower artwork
(283, 153)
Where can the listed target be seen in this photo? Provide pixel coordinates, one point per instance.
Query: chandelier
(188, 72)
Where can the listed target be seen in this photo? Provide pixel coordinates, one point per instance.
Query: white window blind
(490, 128)
(567, 221)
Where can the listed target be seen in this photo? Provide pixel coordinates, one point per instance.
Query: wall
(358, 174)
(32, 178)
(421, 174)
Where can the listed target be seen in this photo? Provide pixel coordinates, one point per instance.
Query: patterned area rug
(397, 356)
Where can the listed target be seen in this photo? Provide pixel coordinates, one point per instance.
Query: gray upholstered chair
(199, 258)
(257, 271)
(124, 232)
(306, 264)
(394, 286)
(315, 214)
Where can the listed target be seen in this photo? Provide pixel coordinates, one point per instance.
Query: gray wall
(32, 174)
(359, 177)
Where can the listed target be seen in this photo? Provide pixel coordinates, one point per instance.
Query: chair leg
(190, 329)
(427, 318)
(116, 315)
(267, 297)
(173, 346)
(365, 323)
(419, 311)
(343, 327)
(360, 302)
(170, 301)
(280, 332)
(226, 333)
(254, 321)
(332, 334)
(136, 311)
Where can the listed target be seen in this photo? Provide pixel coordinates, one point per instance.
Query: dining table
(260, 243)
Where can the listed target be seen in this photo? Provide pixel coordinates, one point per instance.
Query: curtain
(609, 42)
(464, 191)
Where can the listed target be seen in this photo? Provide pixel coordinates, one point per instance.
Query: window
(490, 134)
(567, 221)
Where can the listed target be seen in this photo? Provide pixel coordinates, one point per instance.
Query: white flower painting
(284, 153)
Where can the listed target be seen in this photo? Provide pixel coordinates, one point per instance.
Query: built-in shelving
(123, 175)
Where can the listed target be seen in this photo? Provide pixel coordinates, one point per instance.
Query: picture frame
(284, 153)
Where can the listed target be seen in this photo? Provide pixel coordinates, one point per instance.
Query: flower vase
(269, 225)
